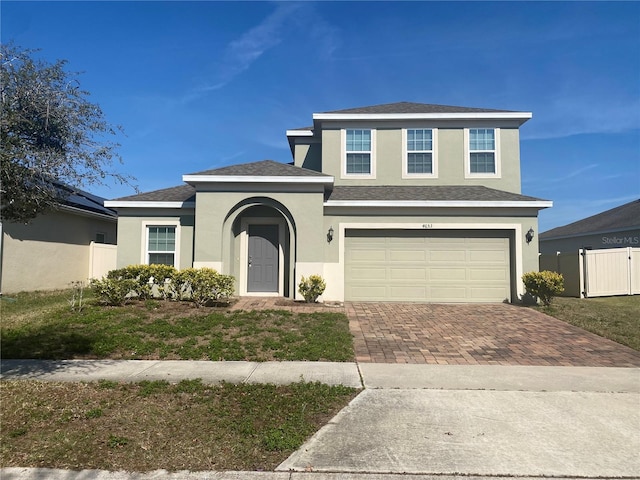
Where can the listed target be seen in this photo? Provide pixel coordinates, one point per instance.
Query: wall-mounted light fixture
(529, 235)
(330, 235)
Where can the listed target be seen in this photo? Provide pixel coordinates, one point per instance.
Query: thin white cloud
(589, 113)
(241, 53)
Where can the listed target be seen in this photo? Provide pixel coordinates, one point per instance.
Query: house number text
(427, 225)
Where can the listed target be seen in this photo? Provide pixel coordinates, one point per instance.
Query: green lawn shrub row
(199, 285)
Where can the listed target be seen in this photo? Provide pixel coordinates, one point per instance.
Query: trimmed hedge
(545, 285)
(199, 285)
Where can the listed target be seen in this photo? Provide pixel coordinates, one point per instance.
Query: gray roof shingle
(181, 193)
(264, 168)
(622, 217)
(426, 193)
(409, 107)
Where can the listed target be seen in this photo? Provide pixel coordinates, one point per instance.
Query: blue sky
(198, 85)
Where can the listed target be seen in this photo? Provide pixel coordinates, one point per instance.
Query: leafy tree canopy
(50, 136)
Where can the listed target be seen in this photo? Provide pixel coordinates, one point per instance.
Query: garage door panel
(446, 293)
(368, 255)
(488, 274)
(447, 256)
(369, 274)
(369, 292)
(407, 293)
(446, 274)
(404, 274)
(411, 255)
(488, 256)
(437, 266)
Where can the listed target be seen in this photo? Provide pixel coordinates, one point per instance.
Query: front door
(263, 259)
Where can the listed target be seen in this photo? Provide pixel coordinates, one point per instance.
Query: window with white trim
(482, 150)
(419, 152)
(358, 152)
(161, 245)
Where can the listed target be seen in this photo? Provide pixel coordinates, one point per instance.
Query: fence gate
(614, 271)
(102, 258)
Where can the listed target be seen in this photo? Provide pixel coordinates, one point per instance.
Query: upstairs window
(420, 148)
(358, 160)
(482, 150)
(161, 245)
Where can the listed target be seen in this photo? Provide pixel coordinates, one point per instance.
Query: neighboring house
(404, 201)
(615, 228)
(55, 248)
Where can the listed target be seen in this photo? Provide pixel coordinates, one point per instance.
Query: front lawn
(615, 318)
(43, 326)
(155, 425)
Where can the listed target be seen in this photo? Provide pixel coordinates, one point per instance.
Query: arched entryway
(260, 247)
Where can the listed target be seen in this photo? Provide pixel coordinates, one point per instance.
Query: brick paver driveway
(488, 334)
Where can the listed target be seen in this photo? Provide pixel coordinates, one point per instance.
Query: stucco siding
(51, 251)
(308, 155)
(132, 234)
(450, 154)
(216, 210)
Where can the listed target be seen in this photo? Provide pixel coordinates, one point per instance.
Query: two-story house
(403, 201)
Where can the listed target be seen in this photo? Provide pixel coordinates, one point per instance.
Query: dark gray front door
(263, 258)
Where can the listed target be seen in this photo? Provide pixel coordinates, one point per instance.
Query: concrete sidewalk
(419, 421)
(369, 375)
(331, 373)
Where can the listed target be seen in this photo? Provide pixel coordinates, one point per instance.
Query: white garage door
(427, 265)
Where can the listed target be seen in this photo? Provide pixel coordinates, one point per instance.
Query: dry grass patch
(155, 425)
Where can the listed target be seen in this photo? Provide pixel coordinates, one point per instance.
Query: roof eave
(193, 179)
(539, 204)
(88, 213)
(521, 116)
(147, 204)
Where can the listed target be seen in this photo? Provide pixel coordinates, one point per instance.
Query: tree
(51, 136)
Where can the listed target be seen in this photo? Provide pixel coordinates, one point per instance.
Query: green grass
(43, 326)
(615, 318)
(157, 425)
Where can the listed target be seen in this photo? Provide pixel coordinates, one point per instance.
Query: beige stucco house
(403, 201)
(56, 248)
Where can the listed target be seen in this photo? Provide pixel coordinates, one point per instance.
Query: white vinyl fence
(597, 273)
(102, 259)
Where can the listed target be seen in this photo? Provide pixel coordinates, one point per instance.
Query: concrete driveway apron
(476, 334)
(494, 390)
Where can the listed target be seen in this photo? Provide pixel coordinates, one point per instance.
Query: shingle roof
(409, 107)
(181, 193)
(264, 168)
(622, 217)
(426, 193)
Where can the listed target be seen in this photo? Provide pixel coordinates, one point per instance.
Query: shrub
(112, 291)
(545, 285)
(311, 288)
(203, 285)
(200, 285)
(146, 277)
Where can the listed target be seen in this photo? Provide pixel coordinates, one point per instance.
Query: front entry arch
(259, 247)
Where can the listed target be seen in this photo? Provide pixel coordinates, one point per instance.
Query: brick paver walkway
(487, 334)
